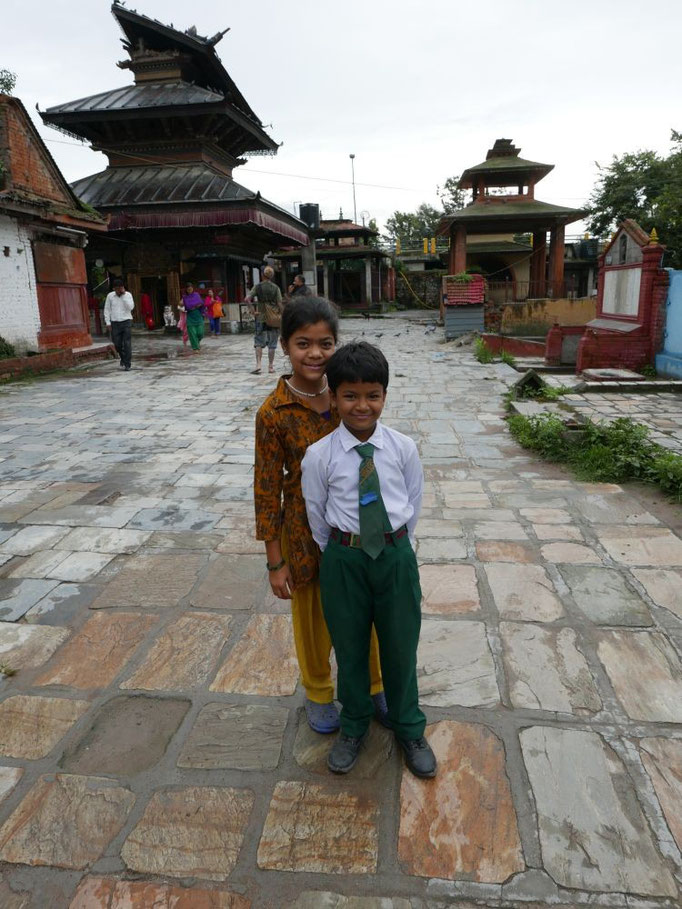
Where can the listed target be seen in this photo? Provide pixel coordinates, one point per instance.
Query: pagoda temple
(173, 139)
(503, 207)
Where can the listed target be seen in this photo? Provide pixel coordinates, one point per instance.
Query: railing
(516, 291)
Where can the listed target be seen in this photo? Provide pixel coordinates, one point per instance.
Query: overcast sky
(416, 90)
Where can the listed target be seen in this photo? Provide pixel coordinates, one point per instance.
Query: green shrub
(602, 452)
(508, 358)
(6, 349)
(649, 371)
(482, 352)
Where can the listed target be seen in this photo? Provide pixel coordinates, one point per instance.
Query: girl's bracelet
(275, 567)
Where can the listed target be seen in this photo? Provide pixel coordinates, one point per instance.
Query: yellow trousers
(313, 644)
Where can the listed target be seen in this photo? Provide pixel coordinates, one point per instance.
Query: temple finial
(653, 236)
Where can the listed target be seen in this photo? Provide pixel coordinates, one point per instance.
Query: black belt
(353, 539)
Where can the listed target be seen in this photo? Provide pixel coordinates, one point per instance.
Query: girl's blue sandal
(381, 709)
(323, 718)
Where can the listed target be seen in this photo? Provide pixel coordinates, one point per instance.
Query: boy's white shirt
(118, 307)
(331, 477)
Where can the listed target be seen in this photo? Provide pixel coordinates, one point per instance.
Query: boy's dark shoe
(419, 757)
(344, 753)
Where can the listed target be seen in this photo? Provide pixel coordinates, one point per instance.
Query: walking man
(118, 315)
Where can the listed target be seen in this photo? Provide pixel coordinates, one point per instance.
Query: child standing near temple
(362, 485)
(214, 306)
(293, 416)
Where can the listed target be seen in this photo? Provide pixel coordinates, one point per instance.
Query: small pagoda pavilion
(173, 139)
(503, 207)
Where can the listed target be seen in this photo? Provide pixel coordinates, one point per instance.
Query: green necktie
(373, 518)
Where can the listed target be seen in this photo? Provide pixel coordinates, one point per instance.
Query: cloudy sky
(416, 90)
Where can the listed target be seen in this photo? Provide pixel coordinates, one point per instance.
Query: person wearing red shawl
(147, 310)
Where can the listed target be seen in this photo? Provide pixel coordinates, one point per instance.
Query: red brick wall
(29, 170)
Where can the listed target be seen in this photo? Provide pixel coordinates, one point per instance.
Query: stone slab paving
(153, 745)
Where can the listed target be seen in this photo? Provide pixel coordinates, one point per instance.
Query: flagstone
(449, 589)
(593, 833)
(65, 821)
(440, 550)
(311, 749)
(546, 670)
(523, 592)
(231, 582)
(462, 824)
(62, 604)
(236, 737)
(663, 761)
(100, 650)
(325, 899)
(39, 565)
(557, 532)
(641, 546)
(645, 672)
(17, 596)
(28, 646)
(80, 566)
(240, 538)
(263, 660)
(604, 597)
(455, 665)
(664, 586)
(569, 553)
(613, 509)
(546, 515)
(9, 778)
(103, 539)
(184, 655)
(108, 893)
(190, 832)
(81, 515)
(319, 829)
(32, 539)
(126, 736)
(152, 581)
(501, 551)
(173, 518)
(184, 539)
(430, 527)
(30, 727)
(499, 530)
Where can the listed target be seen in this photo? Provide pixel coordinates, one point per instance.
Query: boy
(363, 486)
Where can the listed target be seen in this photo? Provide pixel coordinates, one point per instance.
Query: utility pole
(355, 207)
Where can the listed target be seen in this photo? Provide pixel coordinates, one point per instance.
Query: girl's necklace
(308, 394)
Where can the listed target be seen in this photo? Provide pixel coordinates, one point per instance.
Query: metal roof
(158, 184)
(139, 97)
(485, 215)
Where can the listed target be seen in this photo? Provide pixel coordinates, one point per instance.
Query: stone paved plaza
(153, 750)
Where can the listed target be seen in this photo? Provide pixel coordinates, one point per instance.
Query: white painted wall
(19, 314)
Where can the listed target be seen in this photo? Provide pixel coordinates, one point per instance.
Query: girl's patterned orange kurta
(285, 426)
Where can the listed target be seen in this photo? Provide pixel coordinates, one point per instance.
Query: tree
(451, 196)
(646, 187)
(412, 227)
(7, 82)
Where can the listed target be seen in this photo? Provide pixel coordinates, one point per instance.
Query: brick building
(43, 231)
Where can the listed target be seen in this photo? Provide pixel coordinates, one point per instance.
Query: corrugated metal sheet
(158, 184)
(461, 319)
(133, 97)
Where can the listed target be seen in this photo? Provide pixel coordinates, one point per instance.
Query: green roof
(527, 214)
(505, 166)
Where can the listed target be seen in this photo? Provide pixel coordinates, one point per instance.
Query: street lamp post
(355, 207)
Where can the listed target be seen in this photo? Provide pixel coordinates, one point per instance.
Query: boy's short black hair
(303, 311)
(118, 282)
(357, 361)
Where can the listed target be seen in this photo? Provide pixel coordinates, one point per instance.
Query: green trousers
(356, 593)
(195, 331)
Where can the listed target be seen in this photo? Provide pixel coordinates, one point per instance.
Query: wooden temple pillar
(458, 249)
(556, 260)
(537, 264)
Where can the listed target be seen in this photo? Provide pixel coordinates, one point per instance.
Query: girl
(194, 316)
(295, 415)
(215, 310)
